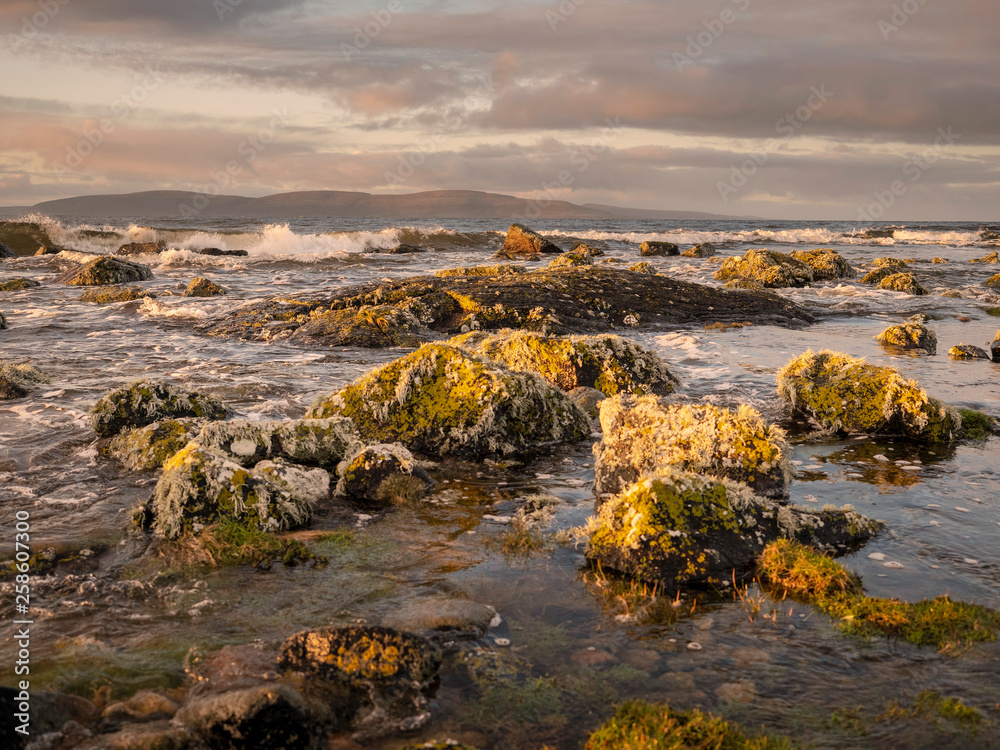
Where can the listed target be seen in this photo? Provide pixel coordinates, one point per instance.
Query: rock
(441, 745)
(48, 712)
(644, 268)
(441, 617)
(311, 442)
(747, 284)
(144, 706)
(902, 282)
(938, 260)
(3, 322)
(16, 381)
(6, 252)
(199, 488)
(522, 241)
(651, 248)
(155, 735)
(147, 448)
(43, 250)
(993, 257)
(142, 248)
(877, 234)
(679, 528)
(968, 351)
(825, 264)
(588, 400)
(382, 475)
(501, 270)
(644, 436)
(440, 401)
(567, 260)
(993, 282)
(742, 691)
(216, 252)
(11, 389)
(108, 294)
(703, 250)
(886, 262)
(401, 250)
(608, 363)
(583, 248)
(592, 657)
(879, 274)
(17, 285)
(143, 402)
(202, 287)
(309, 487)
(106, 270)
(909, 335)
(994, 347)
(267, 716)
(766, 267)
(848, 396)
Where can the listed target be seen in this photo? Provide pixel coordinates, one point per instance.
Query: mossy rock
(504, 269)
(521, 241)
(199, 488)
(644, 268)
(382, 475)
(848, 396)
(108, 294)
(902, 282)
(993, 282)
(968, 351)
(567, 260)
(146, 401)
(910, 335)
(148, 448)
(888, 263)
(680, 528)
(18, 285)
(16, 381)
(311, 442)
(107, 270)
(993, 257)
(880, 274)
(608, 363)
(202, 287)
(825, 264)
(440, 401)
(746, 284)
(651, 248)
(768, 268)
(703, 250)
(643, 436)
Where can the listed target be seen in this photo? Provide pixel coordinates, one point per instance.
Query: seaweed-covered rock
(584, 249)
(202, 287)
(886, 262)
(107, 270)
(677, 528)
(881, 273)
(142, 248)
(303, 485)
(108, 294)
(147, 448)
(702, 250)
(825, 264)
(522, 241)
(643, 436)
(651, 248)
(848, 396)
(504, 269)
(382, 475)
(18, 285)
(589, 400)
(16, 381)
(608, 363)
(6, 252)
(993, 282)
(968, 351)
(311, 442)
(769, 268)
(199, 487)
(748, 285)
(993, 257)
(440, 400)
(572, 258)
(909, 335)
(902, 282)
(146, 401)
(643, 267)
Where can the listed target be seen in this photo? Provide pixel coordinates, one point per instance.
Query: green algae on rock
(768, 268)
(18, 285)
(440, 401)
(143, 402)
(909, 335)
(504, 269)
(108, 294)
(825, 264)
(106, 270)
(679, 528)
(311, 442)
(651, 248)
(382, 475)
(968, 351)
(643, 436)
(522, 241)
(147, 448)
(202, 287)
(902, 282)
(608, 363)
(848, 396)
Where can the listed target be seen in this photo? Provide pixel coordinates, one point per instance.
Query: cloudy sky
(805, 109)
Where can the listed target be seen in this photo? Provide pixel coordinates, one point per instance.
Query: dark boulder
(216, 252)
(968, 351)
(651, 248)
(142, 248)
(6, 252)
(403, 249)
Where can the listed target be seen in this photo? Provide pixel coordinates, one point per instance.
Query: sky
(808, 109)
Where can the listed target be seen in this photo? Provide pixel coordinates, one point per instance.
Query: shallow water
(778, 665)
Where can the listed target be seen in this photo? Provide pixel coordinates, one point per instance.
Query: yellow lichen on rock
(825, 264)
(768, 268)
(909, 335)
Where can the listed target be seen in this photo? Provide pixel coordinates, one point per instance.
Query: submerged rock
(440, 401)
(848, 396)
(768, 268)
(202, 287)
(143, 402)
(144, 706)
(106, 270)
(909, 335)
(311, 442)
(6, 252)
(439, 616)
(902, 282)
(679, 528)
(704, 250)
(968, 351)
(652, 248)
(108, 294)
(16, 381)
(17, 285)
(523, 241)
(825, 264)
(382, 475)
(644, 436)
(142, 248)
(147, 448)
(504, 269)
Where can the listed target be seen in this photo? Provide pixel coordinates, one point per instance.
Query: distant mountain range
(434, 204)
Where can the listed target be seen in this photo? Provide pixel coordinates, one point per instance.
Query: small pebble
(970, 561)
(502, 642)
(876, 556)
(893, 564)
(960, 509)
(694, 646)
